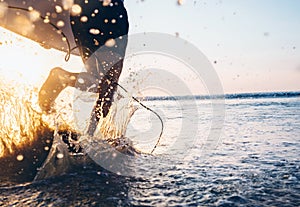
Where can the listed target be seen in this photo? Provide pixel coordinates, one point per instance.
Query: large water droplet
(76, 10)
(110, 43)
(58, 9)
(84, 19)
(20, 158)
(60, 23)
(94, 31)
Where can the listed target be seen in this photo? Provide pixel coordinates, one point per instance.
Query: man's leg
(107, 86)
(58, 80)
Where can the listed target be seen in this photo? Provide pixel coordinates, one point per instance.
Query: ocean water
(253, 162)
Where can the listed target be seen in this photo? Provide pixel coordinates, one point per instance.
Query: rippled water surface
(256, 163)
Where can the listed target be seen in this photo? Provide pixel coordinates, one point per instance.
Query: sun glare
(25, 61)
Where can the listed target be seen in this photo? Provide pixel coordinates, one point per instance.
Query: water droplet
(94, 31)
(76, 10)
(81, 81)
(110, 43)
(60, 23)
(83, 19)
(46, 20)
(96, 42)
(20, 158)
(58, 9)
(60, 155)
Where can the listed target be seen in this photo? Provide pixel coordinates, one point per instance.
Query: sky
(254, 45)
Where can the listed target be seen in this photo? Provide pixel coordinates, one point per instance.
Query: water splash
(114, 125)
(110, 133)
(23, 126)
(19, 120)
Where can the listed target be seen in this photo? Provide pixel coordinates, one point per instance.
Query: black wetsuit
(100, 32)
(98, 23)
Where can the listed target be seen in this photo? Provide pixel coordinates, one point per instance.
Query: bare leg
(58, 80)
(107, 87)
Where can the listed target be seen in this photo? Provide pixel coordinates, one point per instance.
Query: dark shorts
(97, 24)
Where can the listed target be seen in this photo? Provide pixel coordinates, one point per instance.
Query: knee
(60, 75)
(57, 72)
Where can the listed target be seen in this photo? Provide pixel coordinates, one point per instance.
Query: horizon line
(244, 95)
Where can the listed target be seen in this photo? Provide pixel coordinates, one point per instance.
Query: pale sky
(255, 43)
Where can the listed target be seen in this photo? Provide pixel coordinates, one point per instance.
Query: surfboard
(46, 22)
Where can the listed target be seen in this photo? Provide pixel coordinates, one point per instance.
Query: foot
(55, 83)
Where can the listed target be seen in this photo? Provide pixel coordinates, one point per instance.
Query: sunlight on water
(19, 120)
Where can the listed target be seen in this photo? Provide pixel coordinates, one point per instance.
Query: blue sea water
(254, 161)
